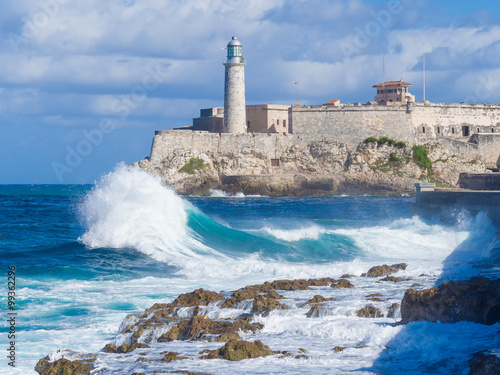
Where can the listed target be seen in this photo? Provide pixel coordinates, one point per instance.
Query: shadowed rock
(476, 300)
(484, 363)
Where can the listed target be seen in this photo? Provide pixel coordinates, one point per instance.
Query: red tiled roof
(332, 102)
(393, 83)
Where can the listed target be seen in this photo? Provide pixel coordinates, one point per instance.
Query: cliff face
(195, 162)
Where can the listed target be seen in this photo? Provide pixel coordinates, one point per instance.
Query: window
(423, 130)
(284, 123)
(438, 130)
(492, 130)
(277, 121)
(452, 130)
(478, 130)
(275, 162)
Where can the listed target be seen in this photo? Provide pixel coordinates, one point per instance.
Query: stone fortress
(307, 147)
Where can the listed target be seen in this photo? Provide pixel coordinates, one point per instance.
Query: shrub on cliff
(193, 165)
(384, 140)
(421, 157)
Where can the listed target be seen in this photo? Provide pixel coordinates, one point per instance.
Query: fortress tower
(234, 90)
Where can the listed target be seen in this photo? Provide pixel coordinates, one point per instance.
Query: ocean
(86, 256)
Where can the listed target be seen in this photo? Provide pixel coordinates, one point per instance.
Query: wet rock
(484, 363)
(125, 348)
(239, 350)
(347, 276)
(339, 349)
(391, 312)
(317, 299)
(342, 283)
(314, 311)
(263, 304)
(393, 279)
(198, 327)
(369, 312)
(476, 300)
(64, 366)
(239, 296)
(171, 356)
(384, 270)
(197, 297)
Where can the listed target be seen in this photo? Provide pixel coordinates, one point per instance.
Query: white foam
(291, 235)
(129, 208)
(216, 193)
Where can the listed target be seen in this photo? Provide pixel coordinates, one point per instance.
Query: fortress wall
(450, 118)
(264, 146)
(353, 124)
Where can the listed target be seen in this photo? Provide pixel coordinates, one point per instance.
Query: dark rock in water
(484, 363)
(171, 356)
(369, 312)
(384, 270)
(393, 279)
(339, 349)
(317, 299)
(342, 283)
(391, 313)
(198, 327)
(263, 304)
(239, 350)
(125, 348)
(476, 300)
(64, 367)
(197, 297)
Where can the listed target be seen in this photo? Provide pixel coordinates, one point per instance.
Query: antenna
(423, 65)
(383, 77)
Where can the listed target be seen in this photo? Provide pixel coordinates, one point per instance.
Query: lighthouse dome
(234, 42)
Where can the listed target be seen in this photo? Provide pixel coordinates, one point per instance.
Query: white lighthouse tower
(234, 89)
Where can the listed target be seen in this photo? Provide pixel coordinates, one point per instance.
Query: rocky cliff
(195, 162)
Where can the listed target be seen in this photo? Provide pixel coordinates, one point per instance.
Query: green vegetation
(421, 157)
(383, 140)
(393, 157)
(193, 165)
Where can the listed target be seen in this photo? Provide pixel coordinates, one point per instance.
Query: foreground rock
(484, 363)
(64, 367)
(239, 350)
(476, 300)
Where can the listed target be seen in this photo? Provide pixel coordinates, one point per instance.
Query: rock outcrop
(274, 165)
(476, 300)
(484, 363)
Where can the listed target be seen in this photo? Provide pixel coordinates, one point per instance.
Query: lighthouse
(234, 89)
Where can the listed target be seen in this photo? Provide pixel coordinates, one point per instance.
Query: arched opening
(493, 315)
(465, 131)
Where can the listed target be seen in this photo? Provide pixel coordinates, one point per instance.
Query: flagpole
(423, 63)
(297, 83)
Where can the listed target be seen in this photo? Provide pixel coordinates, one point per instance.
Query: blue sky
(84, 84)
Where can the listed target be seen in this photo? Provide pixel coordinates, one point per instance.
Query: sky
(85, 84)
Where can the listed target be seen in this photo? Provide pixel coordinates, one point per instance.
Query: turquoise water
(86, 256)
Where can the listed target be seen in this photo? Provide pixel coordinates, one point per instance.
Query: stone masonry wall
(353, 124)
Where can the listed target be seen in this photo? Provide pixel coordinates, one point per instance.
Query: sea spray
(129, 208)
